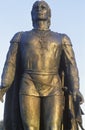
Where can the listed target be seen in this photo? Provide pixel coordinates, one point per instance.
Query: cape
(12, 117)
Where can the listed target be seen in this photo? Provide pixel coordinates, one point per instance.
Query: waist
(41, 72)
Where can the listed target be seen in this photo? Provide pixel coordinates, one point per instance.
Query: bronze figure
(40, 78)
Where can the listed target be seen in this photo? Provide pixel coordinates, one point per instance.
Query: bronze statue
(40, 78)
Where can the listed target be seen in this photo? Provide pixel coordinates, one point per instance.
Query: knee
(26, 127)
(33, 128)
(56, 126)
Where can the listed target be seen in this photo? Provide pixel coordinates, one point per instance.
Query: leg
(30, 112)
(53, 112)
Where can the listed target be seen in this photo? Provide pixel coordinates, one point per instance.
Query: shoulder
(21, 35)
(66, 40)
(16, 38)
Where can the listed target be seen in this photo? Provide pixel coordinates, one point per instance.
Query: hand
(81, 98)
(78, 96)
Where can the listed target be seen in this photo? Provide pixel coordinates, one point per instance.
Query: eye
(43, 7)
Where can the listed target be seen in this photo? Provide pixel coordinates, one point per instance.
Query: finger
(74, 97)
(2, 100)
(81, 98)
(81, 101)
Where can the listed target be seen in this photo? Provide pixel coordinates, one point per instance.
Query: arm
(70, 67)
(72, 80)
(10, 66)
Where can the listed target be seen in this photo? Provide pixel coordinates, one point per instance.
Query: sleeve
(10, 63)
(69, 64)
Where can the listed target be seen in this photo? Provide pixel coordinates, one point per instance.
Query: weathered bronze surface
(40, 78)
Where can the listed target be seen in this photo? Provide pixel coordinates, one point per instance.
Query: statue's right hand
(1, 96)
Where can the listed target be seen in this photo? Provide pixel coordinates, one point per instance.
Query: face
(40, 11)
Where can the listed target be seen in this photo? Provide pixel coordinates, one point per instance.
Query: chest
(35, 42)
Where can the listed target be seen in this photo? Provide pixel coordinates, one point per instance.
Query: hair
(49, 12)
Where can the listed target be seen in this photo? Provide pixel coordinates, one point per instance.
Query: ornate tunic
(42, 56)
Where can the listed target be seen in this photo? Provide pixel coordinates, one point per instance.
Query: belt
(41, 72)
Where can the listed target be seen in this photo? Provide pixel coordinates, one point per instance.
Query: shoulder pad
(66, 40)
(16, 37)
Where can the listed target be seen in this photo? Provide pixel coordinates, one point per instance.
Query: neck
(41, 25)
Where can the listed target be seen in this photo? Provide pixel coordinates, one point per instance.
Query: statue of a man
(32, 77)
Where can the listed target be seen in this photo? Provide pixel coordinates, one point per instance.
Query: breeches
(41, 113)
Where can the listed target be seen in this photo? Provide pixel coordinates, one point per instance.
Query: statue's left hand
(78, 96)
(81, 98)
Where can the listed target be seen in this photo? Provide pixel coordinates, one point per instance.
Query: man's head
(40, 12)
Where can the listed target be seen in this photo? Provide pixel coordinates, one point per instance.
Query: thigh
(30, 110)
(53, 110)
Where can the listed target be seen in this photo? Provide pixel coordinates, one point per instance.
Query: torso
(40, 52)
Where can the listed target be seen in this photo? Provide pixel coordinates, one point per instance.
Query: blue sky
(67, 17)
